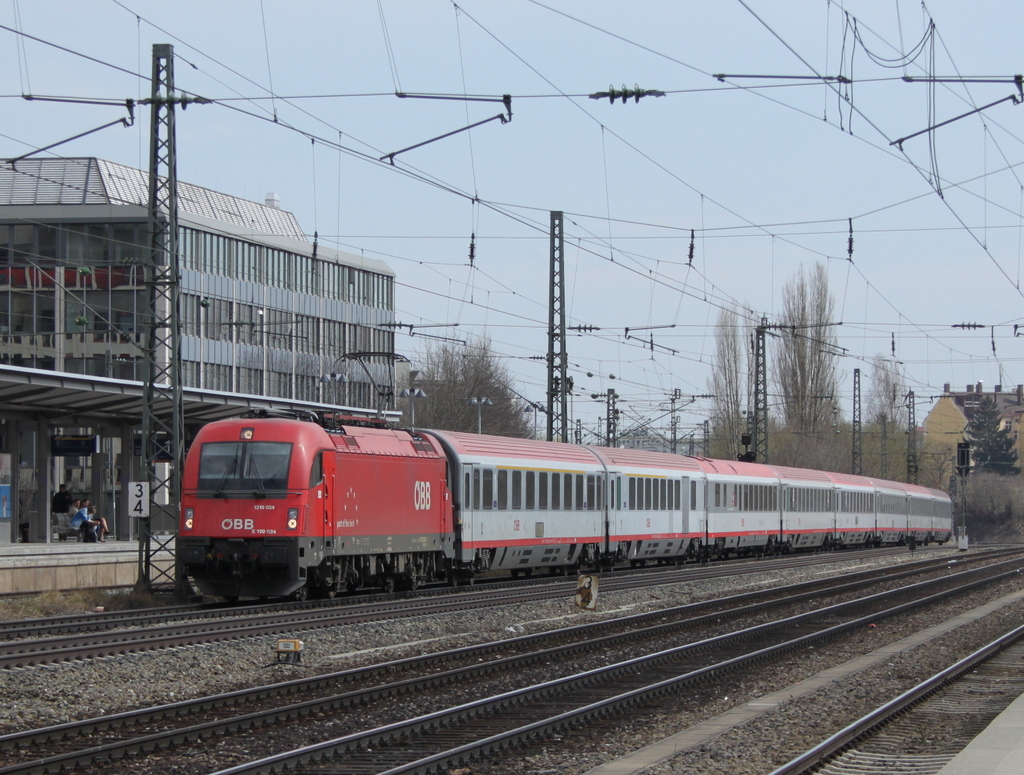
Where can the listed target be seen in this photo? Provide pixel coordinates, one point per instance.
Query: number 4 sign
(138, 499)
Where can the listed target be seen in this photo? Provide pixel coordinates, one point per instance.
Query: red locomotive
(304, 505)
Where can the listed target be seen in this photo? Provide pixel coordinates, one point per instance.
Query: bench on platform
(62, 527)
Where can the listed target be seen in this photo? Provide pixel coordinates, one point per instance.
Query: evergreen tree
(992, 444)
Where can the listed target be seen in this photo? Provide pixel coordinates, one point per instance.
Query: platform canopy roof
(76, 400)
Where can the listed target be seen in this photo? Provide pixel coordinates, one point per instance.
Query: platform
(999, 750)
(63, 565)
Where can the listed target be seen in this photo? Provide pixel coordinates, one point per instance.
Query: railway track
(130, 632)
(622, 578)
(920, 731)
(220, 715)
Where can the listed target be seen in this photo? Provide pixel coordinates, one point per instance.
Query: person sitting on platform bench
(99, 525)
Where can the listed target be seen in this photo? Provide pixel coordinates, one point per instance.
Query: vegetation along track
(130, 734)
(82, 637)
(920, 731)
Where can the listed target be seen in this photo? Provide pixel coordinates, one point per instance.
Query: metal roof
(91, 181)
(65, 399)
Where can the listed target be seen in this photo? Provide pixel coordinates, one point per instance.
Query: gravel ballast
(44, 696)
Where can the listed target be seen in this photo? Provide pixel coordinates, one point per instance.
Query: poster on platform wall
(5, 486)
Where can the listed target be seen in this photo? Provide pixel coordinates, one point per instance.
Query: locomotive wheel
(300, 594)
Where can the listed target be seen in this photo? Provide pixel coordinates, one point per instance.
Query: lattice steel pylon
(558, 388)
(760, 423)
(857, 458)
(912, 468)
(163, 430)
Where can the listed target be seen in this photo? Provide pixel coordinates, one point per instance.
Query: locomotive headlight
(293, 519)
(190, 515)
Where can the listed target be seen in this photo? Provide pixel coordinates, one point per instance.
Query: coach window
(517, 489)
(580, 503)
(693, 496)
(718, 495)
(487, 496)
(502, 489)
(542, 490)
(591, 492)
(476, 488)
(632, 493)
(531, 490)
(556, 491)
(567, 492)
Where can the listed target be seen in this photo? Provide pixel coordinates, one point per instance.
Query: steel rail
(28, 652)
(883, 714)
(462, 754)
(117, 749)
(600, 634)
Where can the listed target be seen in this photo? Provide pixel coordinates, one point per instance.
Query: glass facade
(255, 318)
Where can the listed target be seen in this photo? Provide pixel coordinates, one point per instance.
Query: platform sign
(138, 499)
(586, 592)
(72, 446)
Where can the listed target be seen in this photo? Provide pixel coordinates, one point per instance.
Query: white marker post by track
(138, 499)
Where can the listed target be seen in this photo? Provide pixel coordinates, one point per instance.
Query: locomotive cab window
(244, 466)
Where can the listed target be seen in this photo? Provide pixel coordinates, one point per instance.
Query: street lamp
(334, 380)
(479, 402)
(531, 407)
(412, 394)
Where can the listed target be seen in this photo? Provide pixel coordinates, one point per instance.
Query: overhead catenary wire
(704, 234)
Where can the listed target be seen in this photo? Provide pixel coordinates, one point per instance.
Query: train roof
(885, 484)
(852, 480)
(385, 441)
(474, 445)
(788, 474)
(616, 456)
(737, 468)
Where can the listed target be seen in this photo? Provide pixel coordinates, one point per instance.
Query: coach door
(465, 517)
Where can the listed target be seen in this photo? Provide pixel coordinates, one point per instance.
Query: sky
(818, 123)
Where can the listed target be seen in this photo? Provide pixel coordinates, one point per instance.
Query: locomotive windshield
(252, 467)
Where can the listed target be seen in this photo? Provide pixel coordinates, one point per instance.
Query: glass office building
(263, 310)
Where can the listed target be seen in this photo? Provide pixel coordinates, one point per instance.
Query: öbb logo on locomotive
(280, 505)
(421, 496)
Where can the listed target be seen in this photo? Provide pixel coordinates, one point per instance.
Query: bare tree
(887, 420)
(452, 374)
(728, 384)
(995, 507)
(805, 374)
